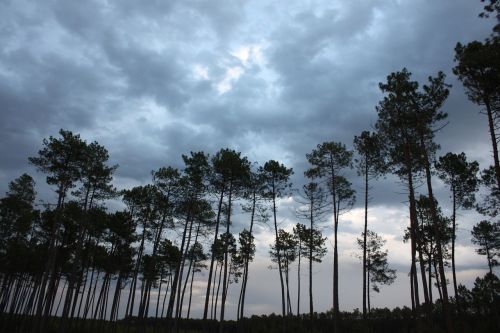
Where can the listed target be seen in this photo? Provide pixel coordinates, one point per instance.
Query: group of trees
(77, 259)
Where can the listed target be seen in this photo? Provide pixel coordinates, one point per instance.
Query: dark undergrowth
(257, 324)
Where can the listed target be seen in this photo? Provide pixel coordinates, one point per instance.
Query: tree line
(86, 264)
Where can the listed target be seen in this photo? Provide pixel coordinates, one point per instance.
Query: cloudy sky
(151, 80)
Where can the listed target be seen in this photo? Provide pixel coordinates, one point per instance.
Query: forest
(79, 264)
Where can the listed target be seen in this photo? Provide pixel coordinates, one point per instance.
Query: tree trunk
(336, 311)
(190, 272)
(210, 272)
(178, 305)
(213, 291)
(298, 279)
(226, 277)
(279, 257)
(247, 260)
(438, 282)
(413, 228)
(49, 276)
(437, 231)
(430, 280)
(159, 292)
(491, 124)
(364, 238)
(420, 247)
(453, 236)
(131, 297)
(169, 281)
(173, 288)
(218, 289)
(311, 305)
(90, 300)
(368, 287)
(190, 295)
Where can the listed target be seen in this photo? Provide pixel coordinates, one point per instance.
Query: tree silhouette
(427, 240)
(287, 246)
(406, 125)
(478, 67)
(230, 174)
(234, 172)
(370, 165)
(247, 253)
(258, 213)
(428, 116)
(313, 208)
(276, 185)
(62, 160)
(377, 268)
(487, 236)
(328, 160)
(461, 177)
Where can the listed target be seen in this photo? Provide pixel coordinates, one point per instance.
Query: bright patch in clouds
(249, 54)
(200, 72)
(232, 75)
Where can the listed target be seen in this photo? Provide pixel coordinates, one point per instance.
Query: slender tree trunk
(159, 293)
(87, 299)
(288, 300)
(413, 228)
(453, 236)
(101, 297)
(226, 259)
(149, 282)
(336, 311)
(61, 296)
(131, 296)
(48, 279)
(420, 247)
(364, 238)
(212, 316)
(77, 292)
(115, 304)
(73, 281)
(491, 124)
(190, 270)
(437, 231)
(430, 281)
(173, 288)
(218, 288)
(90, 300)
(184, 257)
(212, 259)
(52, 299)
(438, 282)
(412, 292)
(169, 281)
(311, 219)
(238, 311)
(368, 287)
(6, 288)
(279, 256)
(14, 298)
(190, 295)
(247, 259)
(298, 280)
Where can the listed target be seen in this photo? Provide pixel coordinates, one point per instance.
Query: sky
(151, 80)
